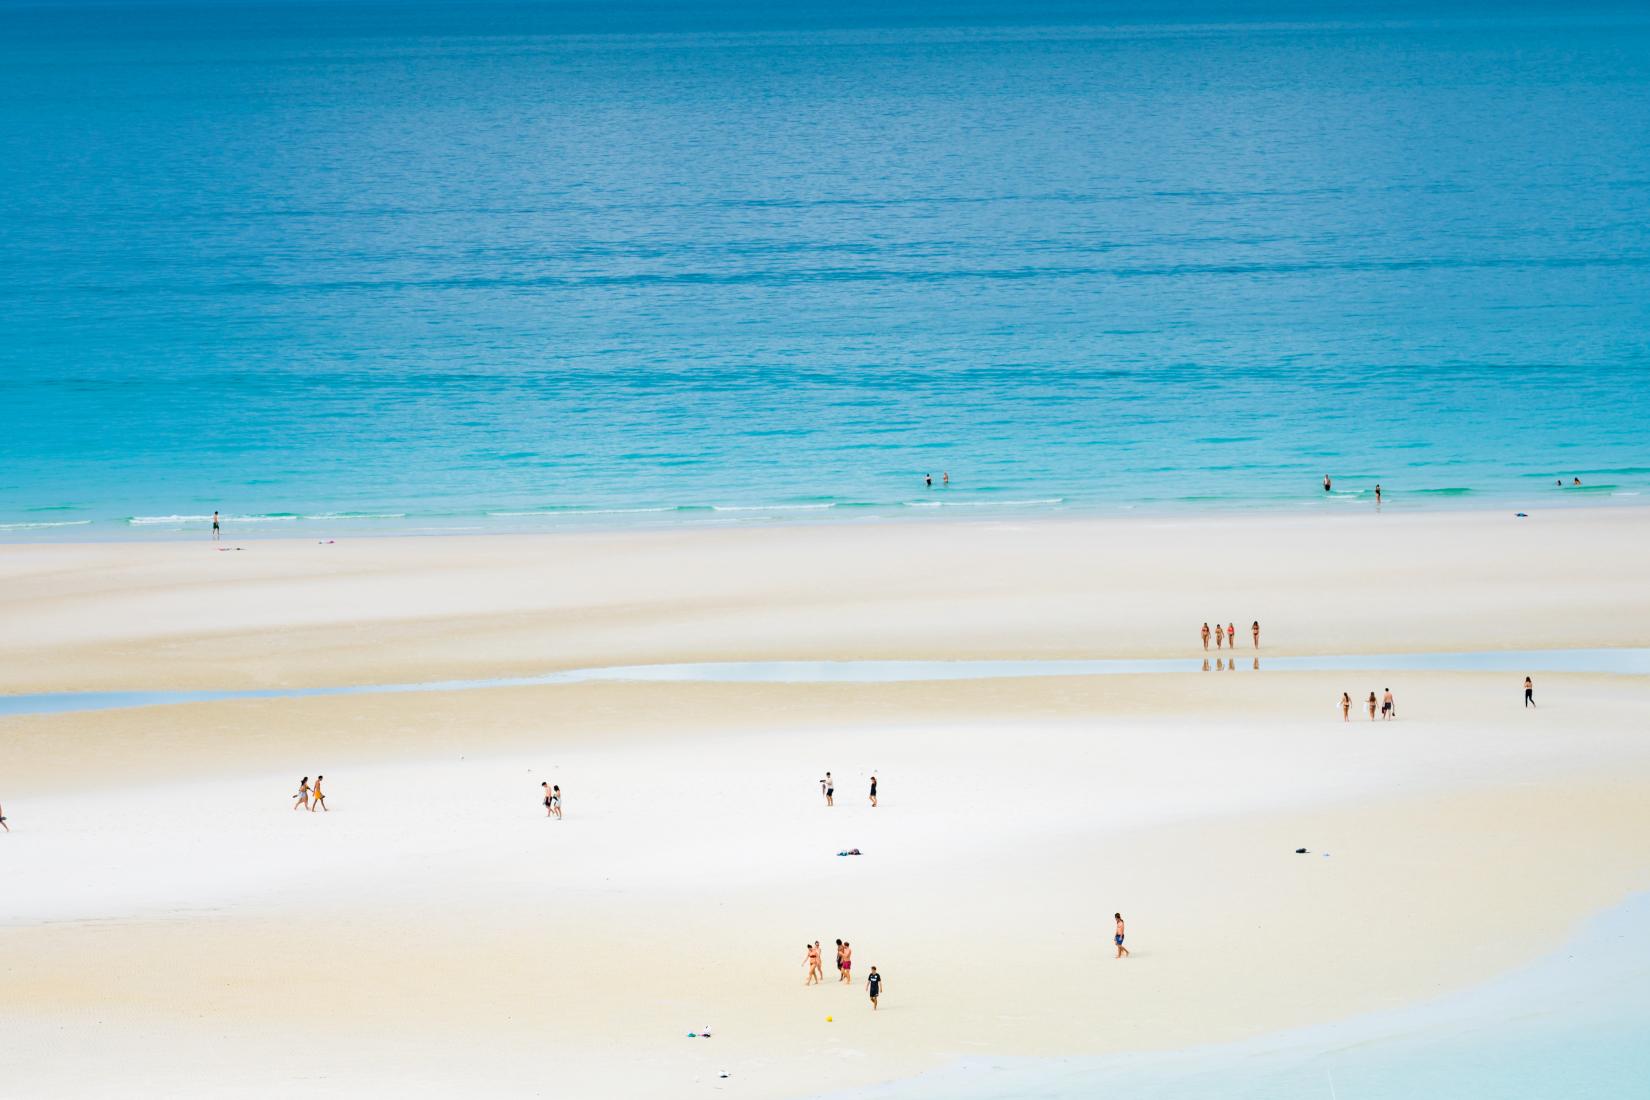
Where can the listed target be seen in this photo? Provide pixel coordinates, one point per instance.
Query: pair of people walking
(552, 800)
(1228, 634)
(309, 796)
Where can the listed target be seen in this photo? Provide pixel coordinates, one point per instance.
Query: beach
(170, 919)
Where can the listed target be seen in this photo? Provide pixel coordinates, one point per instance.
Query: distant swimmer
(1389, 709)
(1576, 481)
(1220, 636)
(316, 798)
(300, 801)
(555, 801)
(827, 787)
(947, 479)
(215, 530)
(928, 480)
(1326, 483)
(1529, 692)
(873, 985)
(1205, 636)
(816, 968)
(549, 806)
(1346, 707)
(873, 792)
(1117, 937)
(1254, 632)
(1372, 706)
(1377, 492)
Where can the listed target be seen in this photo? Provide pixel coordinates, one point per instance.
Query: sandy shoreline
(171, 921)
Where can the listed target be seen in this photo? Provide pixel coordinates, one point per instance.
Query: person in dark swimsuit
(1117, 938)
(873, 985)
(215, 534)
(873, 790)
(1529, 692)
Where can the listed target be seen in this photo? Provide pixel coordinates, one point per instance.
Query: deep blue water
(449, 264)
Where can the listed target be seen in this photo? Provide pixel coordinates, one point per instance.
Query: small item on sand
(1522, 515)
(849, 852)
(1300, 851)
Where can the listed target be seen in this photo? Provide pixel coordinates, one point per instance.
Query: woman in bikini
(816, 968)
(1372, 706)
(1254, 630)
(1205, 637)
(1220, 636)
(1346, 707)
(300, 801)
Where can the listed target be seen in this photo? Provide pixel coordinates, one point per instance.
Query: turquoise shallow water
(396, 266)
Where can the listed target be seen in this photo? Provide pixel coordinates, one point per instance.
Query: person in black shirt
(873, 983)
(873, 790)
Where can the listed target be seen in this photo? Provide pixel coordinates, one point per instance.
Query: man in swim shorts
(829, 786)
(215, 535)
(1117, 938)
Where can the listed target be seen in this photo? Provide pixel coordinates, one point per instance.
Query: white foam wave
(32, 526)
(150, 521)
(583, 512)
(357, 515)
(982, 503)
(769, 507)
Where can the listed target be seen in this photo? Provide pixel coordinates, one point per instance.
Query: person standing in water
(946, 480)
(1326, 483)
(873, 985)
(215, 534)
(316, 798)
(300, 801)
(873, 792)
(1529, 692)
(1377, 493)
(1117, 937)
(1205, 637)
(928, 480)
(1254, 632)
(1346, 707)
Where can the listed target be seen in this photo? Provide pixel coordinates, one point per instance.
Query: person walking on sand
(1346, 707)
(1220, 636)
(555, 801)
(828, 785)
(1254, 632)
(215, 529)
(1205, 637)
(1117, 938)
(873, 792)
(316, 798)
(1388, 708)
(1372, 706)
(1529, 692)
(549, 807)
(300, 801)
(873, 985)
(816, 968)
(1231, 635)
(847, 962)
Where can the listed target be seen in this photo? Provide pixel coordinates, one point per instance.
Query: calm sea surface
(366, 267)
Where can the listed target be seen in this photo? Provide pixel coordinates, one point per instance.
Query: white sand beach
(170, 923)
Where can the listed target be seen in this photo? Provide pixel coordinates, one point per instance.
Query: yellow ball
(827, 1019)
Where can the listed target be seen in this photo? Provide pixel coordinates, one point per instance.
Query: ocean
(386, 267)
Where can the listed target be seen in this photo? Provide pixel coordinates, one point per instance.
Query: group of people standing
(1227, 635)
(827, 788)
(844, 969)
(1389, 709)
